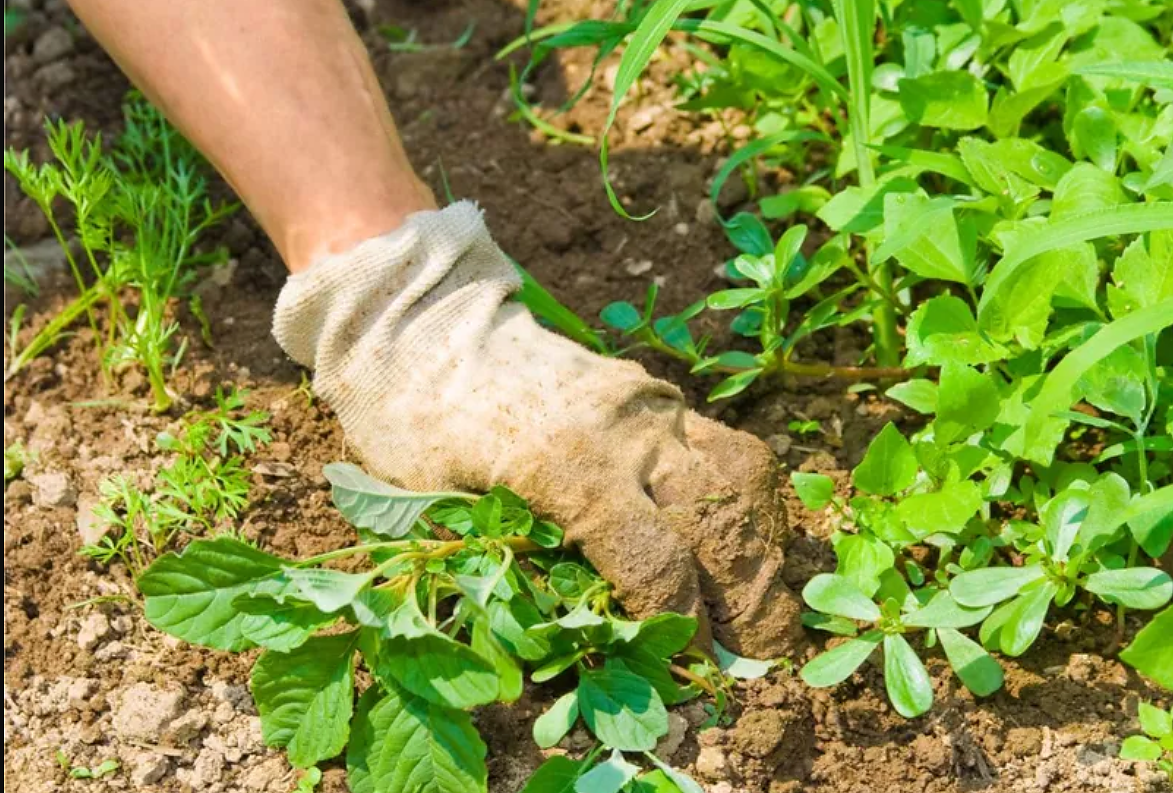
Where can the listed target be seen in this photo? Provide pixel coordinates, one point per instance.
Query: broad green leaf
(925, 237)
(789, 246)
(432, 665)
(621, 315)
(991, 171)
(944, 612)
(655, 670)
(329, 590)
(1116, 383)
(990, 585)
(1025, 620)
(620, 708)
(943, 329)
(370, 503)
(1094, 137)
(665, 635)
(305, 697)
(401, 742)
(980, 673)
(1146, 281)
(1151, 652)
(836, 594)
(967, 401)
(837, 664)
(906, 678)
(190, 595)
(678, 780)
(888, 466)
(944, 511)
(1155, 722)
(1057, 391)
(1085, 188)
(856, 210)
(1125, 219)
(510, 619)
(509, 677)
(1023, 309)
(1108, 497)
(737, 667)
(862, 560)
(609, 776)
(950, 100)
(1062, 517)
(1138, 747)
(918, 394)
(1152, 530)
(936, 162)
(1135, 587)
(556, 775)
(277, 625)
(1079, 274)
(553, 725)
(815, 490)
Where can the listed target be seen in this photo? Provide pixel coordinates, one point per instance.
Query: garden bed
(94, 682)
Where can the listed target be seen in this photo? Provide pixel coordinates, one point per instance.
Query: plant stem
(694, 678)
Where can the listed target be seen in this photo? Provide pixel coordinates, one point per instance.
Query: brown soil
(76, 679)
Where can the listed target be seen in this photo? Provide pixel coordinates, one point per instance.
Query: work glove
(442, 382)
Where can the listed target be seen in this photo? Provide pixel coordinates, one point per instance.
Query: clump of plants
(993, 204)
(204, 487)
(1156, 745)
(138, 213)
(461, 596)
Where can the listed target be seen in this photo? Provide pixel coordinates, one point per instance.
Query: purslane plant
(1156, 745)
(138, 212)
(461, 595)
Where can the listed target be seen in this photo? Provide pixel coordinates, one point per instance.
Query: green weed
(1156, 745)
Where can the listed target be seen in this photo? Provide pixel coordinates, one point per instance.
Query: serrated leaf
(1135, 587)
(943, 329)
(370, 503)
(402, 742)
(553, 725)
(190, 595)
(305, 697)
(621, 708)
(949, 100)
(976, 668)
(888, 466)
(837, 664)
(925, 237)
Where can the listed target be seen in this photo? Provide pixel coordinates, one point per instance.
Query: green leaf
(400, 742)
(305, 697)
(944, 511)
(510, 619)
(1116, 383)
(556, 775)
(665, 635)
(1154, 74)
(925, 237)
(609, 776)
(943, 329)
(552, 726)
(949, 100)
(737, 667)
(1025, 620)
(1057, 392)
(1155, 722)
(1062, 517)
(190, 595)
(980, 673)
(678, 780)
(733, 385)
(838, 663)
(1085, 188)
(990, 585)
(643, 44)
(1135, 587)
(432, 665)
(622, 316)
(918, 394)
(509, 677)
(889, 465)
(836, 594)
(1108, 497)
(279, 626)
(655, 670)
(1125, 219)
(856, 210)
(1153, 530)
(944, 612)
(1023, 309)
(967, 402)
(1094, 137)
(546, 307)
(1144, 280)
(1138, 747)
(734, 298)
(863, 559)
(1151, 652)
(369, 503)
(620, 708)
(824, 622)
(815, 490)
(906, 678)
(749, 234)
(329, 590)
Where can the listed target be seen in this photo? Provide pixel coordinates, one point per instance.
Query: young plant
(1156, 745)
(14, 460)
(461, 595)
(138, 212)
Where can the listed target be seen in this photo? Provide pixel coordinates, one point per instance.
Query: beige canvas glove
(441, 382)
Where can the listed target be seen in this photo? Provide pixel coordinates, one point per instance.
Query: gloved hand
(441, 382)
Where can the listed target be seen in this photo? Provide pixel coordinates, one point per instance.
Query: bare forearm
(282, 99)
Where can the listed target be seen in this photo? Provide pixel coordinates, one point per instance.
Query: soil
(94, 681)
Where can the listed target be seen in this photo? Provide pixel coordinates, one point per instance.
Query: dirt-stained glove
(442, 382)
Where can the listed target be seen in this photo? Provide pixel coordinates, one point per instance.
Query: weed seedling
(1156, 745)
